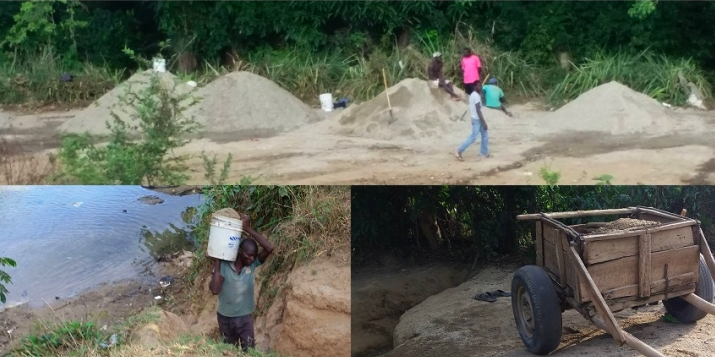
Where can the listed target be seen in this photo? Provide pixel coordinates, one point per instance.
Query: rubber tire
(684, 311)
(545, 306)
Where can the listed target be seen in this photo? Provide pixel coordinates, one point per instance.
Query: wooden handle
(556, 215)
(384, 80)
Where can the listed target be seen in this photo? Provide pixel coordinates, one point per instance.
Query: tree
(5, 277)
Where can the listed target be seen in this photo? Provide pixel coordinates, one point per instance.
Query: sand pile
(419, 110)
(625, 224)
(93, 119)
(246, 102)
(612, 108)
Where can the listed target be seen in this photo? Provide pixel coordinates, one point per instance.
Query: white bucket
(159, 65)
(224, 238)
(326, 102)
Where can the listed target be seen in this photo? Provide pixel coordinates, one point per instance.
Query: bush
(163, 128)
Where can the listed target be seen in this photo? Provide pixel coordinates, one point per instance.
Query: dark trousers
(237, 330)
(471, 87)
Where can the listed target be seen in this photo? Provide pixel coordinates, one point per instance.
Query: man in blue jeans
(233, 282)
(479, 126)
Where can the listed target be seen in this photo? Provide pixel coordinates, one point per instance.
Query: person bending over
(494, 96)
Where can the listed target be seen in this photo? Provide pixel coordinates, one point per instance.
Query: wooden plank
(575, 214)
(539, 244)
(700, 303)
(550, 260)
(599, 251)
(611, 324)
(670, 226)
(659, 213)
(624, 272)
(644, 265)
(550, 233)
(629, 339)
(627, 303)
(559, 249)
(675, 283)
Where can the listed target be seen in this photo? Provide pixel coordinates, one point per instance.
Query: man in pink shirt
(472, 68)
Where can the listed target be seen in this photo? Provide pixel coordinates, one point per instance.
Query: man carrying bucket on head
(233, 282)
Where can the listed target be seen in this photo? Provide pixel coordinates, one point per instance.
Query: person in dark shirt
(435, 73)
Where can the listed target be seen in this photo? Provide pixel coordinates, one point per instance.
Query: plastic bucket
(159, 65)
(224, 238)
(326, 102)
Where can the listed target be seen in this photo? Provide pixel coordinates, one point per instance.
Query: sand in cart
(625, 224)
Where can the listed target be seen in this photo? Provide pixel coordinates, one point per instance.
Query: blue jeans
(476, 130)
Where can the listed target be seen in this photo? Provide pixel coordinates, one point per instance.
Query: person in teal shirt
(233, 282)
(494, 96)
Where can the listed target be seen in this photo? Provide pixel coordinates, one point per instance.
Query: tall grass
(646, 72)
(35, 80)
(359, 77)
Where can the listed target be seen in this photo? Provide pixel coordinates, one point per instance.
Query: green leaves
(5, 277)
(642, 9)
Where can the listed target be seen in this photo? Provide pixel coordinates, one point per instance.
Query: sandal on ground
(458, 156)
(500, 293)
(488, 297)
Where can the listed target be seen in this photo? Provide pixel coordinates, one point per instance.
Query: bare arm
(261, 240)
(481, 117)
(216, 279)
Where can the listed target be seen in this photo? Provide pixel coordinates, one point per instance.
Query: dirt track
(676, 147)
(453, 321)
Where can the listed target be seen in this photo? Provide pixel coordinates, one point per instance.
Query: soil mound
(612, 108)
(245, 102)
(93, 119)
(419, 109)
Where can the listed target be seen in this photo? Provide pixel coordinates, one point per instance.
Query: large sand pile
(612, 108)
(419, 110)
(246, 102)
(94, 118)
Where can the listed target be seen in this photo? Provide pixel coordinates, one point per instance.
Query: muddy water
(67, 239)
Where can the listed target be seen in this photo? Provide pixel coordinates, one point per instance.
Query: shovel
(384, 80)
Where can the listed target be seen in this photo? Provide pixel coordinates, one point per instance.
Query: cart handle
(573, 214)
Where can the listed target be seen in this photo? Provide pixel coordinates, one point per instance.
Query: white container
(159, 65)
(224, 238)
(326, 102)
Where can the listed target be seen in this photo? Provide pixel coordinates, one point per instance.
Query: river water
(66, 239)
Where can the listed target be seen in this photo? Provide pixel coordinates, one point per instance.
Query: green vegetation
(469, 221)
(78, 338)
(311, 47)
(128, 161)
(5, 277)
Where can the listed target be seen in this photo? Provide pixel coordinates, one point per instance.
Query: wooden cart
(599, 274)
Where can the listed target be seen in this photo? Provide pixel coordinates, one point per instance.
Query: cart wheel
(537, 310)
(681, 309)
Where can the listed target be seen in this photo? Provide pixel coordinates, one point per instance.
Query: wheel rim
(526, 312)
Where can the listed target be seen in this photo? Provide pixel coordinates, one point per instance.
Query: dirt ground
(680, 152)
(454, 323)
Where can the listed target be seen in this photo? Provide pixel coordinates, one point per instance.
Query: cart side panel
(539, 244)
(620, 278)
(603, 249)
(557, 260)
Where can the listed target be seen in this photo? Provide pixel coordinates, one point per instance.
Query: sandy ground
(453, 323)
(639, 142)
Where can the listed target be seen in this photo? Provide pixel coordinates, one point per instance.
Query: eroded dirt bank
(381, 293)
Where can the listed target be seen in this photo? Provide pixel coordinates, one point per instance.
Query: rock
(151, 200)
